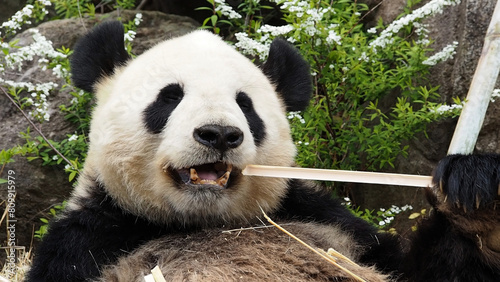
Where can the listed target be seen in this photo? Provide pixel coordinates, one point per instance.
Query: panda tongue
(207, 175)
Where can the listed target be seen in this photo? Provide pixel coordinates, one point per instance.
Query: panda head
(174, 127)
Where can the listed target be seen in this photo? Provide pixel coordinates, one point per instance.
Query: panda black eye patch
(157, 113)
(255, 123)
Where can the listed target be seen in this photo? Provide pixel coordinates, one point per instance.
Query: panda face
(173, 129)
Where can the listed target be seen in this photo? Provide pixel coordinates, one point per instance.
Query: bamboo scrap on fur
(339, 175)
(327, 256)
(155, 276)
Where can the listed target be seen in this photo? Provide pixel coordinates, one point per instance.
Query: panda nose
(219, 137)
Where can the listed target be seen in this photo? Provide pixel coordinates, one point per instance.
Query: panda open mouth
(217, 174)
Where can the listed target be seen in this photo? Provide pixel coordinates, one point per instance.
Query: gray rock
(9, 8)
(465, 23)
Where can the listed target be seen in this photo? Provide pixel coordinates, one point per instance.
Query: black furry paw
(468, 182)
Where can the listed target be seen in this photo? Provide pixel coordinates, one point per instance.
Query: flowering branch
(36, 128)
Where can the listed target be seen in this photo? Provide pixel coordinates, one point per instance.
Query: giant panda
(170, 134)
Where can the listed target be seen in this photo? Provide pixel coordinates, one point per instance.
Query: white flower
(422, 31)
(67, 167)
(431, 8)
(333, 37)
(45, 2)
(226, 10)
(73, 137)
(407, 207)
(495, 94)
(18, 18)
(22, 16)
(443, 55)
(41, 47)
(443, 109)
(129, 36)
(137, 19)
(293, 115)
(364, 57)
(59, 72)
(275, 30)
(39, 93)
(251, 47)
(55, 157)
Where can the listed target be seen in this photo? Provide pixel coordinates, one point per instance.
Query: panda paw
(466, 196)
(468, 182)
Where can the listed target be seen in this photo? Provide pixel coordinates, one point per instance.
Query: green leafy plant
(248, 15)
(52, 212)
(130, 32)
(381, 218)
(32, 97)
(371, 88)
(73, 8)
(124, 4)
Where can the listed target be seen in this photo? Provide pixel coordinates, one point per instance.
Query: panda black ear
(290, 74)
(97, 54)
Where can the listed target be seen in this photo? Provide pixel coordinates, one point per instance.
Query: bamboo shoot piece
(339, 175)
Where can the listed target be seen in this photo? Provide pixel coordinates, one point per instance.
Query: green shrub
(356, 69)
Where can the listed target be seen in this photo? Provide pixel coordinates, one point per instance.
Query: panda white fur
(171, 132)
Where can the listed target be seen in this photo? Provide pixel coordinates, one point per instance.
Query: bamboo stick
(158, 276)
(472, 116)
(339, 175)
(319, 252)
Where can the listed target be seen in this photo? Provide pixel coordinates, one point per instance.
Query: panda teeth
(195, 179)
(221, 181)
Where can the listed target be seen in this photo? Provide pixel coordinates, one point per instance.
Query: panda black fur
(172, 131)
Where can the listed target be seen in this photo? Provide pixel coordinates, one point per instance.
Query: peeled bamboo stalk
(472, 116)
(339, 175)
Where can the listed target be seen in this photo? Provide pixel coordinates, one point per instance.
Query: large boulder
(467, 24)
